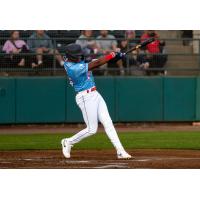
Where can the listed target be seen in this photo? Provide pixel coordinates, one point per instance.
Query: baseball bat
(142, 44)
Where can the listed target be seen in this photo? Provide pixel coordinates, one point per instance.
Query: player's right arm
(103, 60)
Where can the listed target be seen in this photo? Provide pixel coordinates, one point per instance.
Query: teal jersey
(79, 76)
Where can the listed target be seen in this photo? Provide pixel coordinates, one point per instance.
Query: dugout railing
(179, 58)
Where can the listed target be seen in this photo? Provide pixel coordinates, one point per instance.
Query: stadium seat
(4, 33)
(25, 33)
(52, 33)
(69, 33)
(70, 36)
(118, 33)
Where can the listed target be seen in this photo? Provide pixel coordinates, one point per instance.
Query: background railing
(177, 57)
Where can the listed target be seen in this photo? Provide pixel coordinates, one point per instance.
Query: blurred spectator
(40, 43)
(153, 47)
(138, 33)
(88, 44)
(85, 40)
(142, 60)
(107, 43)
(14, 46)
(131, 37)
(129, 43)
(155, 51)
(129, 60)
(123, 45)
(136, 58)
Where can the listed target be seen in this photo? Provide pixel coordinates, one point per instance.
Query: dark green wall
(197, 99)
(139, 99)
(40, 100)
(179, 99)
(52, 100)
(7, 100)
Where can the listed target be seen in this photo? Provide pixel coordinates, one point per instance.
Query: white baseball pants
(94, 109)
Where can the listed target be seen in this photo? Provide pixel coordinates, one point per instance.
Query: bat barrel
(142, 44)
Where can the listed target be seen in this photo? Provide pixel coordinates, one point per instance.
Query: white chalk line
(76, 161)
(106, 163)
(91, 161)
(111, 166)
(163, 158)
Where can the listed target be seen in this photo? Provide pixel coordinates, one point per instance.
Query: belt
(88, 90)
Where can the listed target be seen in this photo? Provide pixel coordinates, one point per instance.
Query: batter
(91, 103)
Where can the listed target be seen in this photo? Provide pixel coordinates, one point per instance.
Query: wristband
(109, 56)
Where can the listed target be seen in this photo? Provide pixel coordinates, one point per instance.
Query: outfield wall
(129, 99)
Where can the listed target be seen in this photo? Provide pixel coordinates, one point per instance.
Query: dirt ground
(120, 127)
(97, 159)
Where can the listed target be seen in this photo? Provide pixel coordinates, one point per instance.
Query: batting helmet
(74, 51)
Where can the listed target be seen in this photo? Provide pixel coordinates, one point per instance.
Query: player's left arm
(103, 60)
(117, 55)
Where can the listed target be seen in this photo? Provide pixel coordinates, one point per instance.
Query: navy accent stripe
(80, 136)
(87, 121)
(86, 114)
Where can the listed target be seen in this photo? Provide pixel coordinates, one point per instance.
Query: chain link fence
(175, 56)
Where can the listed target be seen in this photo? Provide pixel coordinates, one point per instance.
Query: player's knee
(92, 130)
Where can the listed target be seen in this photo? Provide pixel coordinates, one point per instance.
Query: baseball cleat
(66, 148)
(123, 155)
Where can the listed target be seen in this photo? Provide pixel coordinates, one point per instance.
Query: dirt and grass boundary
(152, 145)
(121, 127)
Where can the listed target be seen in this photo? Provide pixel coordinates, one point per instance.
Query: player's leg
(88, 105)
(105, 119)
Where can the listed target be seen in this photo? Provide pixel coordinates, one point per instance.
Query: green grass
(141, 140)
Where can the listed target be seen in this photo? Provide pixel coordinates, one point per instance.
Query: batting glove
(119, 55)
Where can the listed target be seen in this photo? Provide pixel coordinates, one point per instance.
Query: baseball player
(89, 100)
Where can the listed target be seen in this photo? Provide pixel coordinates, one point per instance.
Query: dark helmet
(74, 51)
